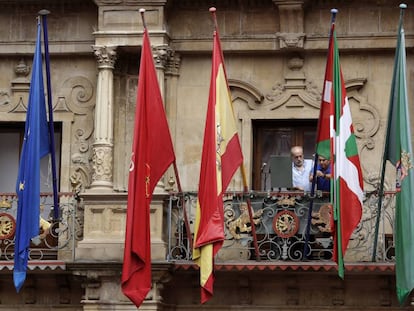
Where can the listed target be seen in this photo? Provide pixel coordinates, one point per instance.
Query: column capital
(162, 54)
(173, 65)
(105, 55)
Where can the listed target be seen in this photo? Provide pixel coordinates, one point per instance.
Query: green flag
(398, 150)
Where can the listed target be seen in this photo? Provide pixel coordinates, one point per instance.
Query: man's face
(297, 157)
(324, 162)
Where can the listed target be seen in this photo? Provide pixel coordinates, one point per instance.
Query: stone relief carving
(77, 96)
(291, 40)
(237, 87)
(162, 54)
(19, 90)
(366, 121)
(173, 65)
(105, 55)
(4, 98)
(102, 163)
(296, 91)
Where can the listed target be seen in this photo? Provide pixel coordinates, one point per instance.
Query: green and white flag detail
(336, 141)
(398, 150)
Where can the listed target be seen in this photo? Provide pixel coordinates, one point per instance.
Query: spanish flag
(221, 157)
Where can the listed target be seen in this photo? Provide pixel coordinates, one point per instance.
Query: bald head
(297, 155)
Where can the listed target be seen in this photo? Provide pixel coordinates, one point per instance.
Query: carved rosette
(102, 164)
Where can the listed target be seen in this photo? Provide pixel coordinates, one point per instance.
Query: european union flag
(35, 146)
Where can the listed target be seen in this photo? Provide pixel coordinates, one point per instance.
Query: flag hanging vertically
(336, 140)
(35, 146)
(221, 156)
(152, 154)
(398, 150)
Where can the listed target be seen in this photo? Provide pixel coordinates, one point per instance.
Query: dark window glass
(276, 137)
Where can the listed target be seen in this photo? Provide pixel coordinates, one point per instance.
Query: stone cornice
(129, 2)
(270, 44)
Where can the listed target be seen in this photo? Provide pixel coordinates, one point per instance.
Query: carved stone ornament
(102, 163)
(291, 40)
(162, 54)
(296, 92)
(173, 65)
(105, 55)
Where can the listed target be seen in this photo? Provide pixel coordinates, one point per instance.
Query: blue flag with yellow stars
(35, 146)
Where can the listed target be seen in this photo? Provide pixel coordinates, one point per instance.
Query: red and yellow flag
(221, 156)
(152, 154)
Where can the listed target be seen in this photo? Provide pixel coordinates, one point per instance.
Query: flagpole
(243, 172)
(244, 176)
(177, 177)
(186, 222)
(312, 197)
(43, 14)
(384, 158)
(142, 11)
(380, 197)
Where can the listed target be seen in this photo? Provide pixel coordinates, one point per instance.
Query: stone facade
(275, 54)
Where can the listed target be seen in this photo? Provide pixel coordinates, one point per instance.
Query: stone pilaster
(162, 56)
(102, 158)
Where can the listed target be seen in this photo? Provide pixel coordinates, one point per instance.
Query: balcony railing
(284, 231)
(56, 239)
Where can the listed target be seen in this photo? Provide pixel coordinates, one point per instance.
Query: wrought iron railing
(57, 237)
(283, 229)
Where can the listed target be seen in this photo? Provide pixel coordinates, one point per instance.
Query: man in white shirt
(301, 170)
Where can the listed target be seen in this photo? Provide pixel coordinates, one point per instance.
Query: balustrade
(284, 230)
(57, 237)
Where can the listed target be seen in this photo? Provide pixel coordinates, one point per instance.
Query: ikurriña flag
(35, 146)
(152, 154)
(398, 150)
(221, 157)
(336, 141)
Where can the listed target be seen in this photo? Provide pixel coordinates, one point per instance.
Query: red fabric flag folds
(152, 154)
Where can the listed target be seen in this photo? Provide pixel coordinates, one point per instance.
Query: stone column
(172, 74)
(162, 55)
(102, 158)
